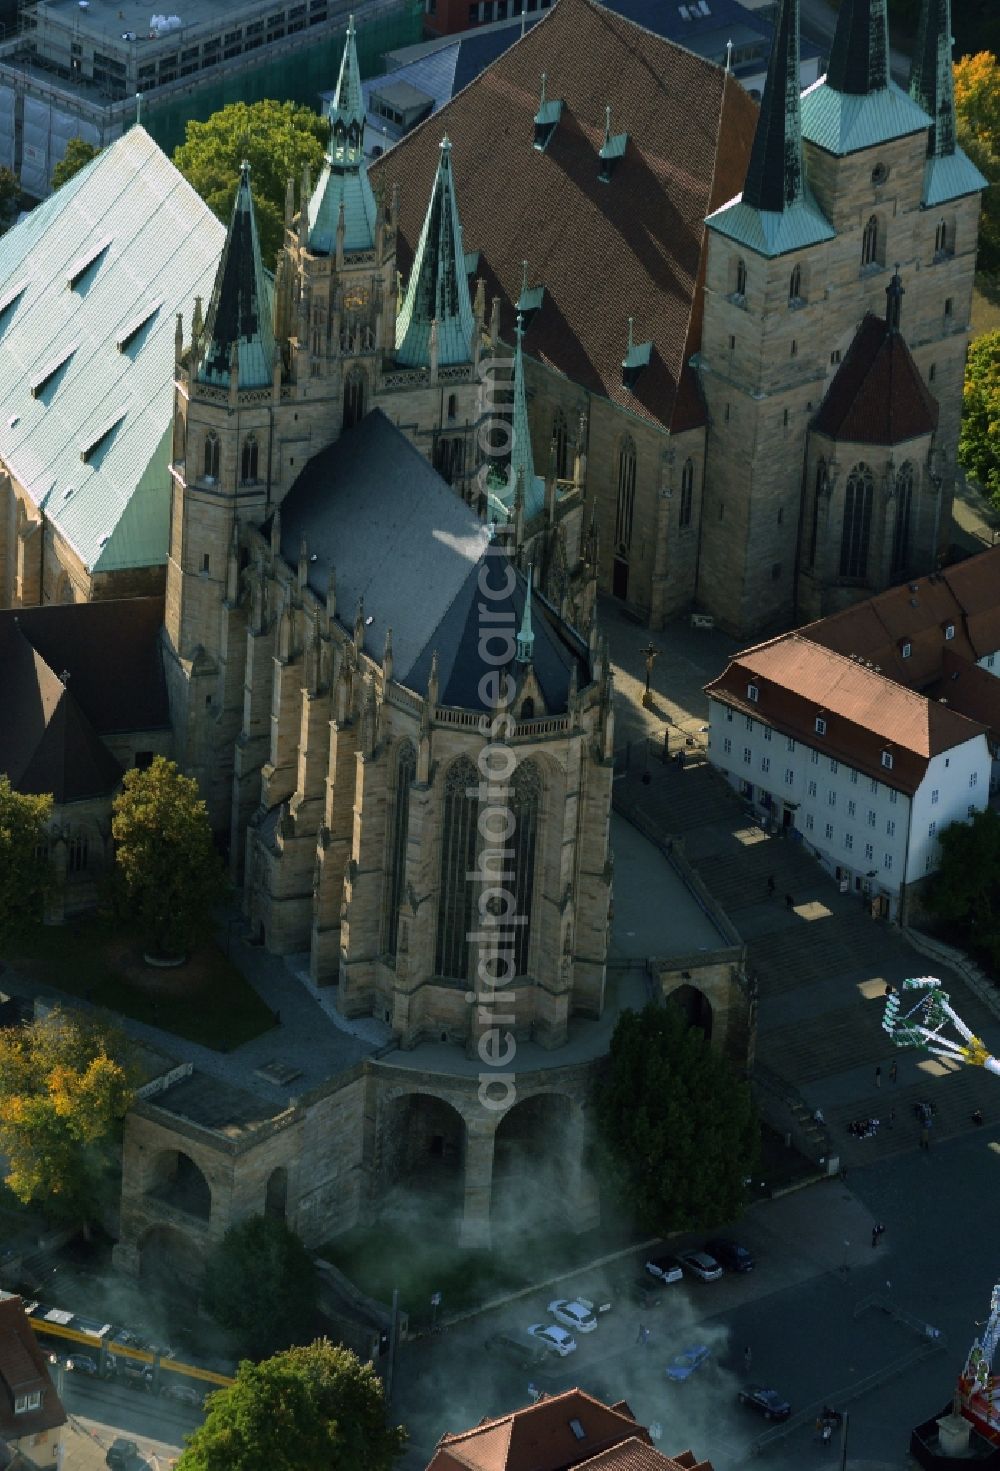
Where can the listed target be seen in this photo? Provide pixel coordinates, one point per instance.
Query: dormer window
(906, 649)
(949, 630)
(820, 725)
(530, 300)
(611, 150)
(25, 1403)
(753, 693)
(887, 760)
(546, 118)
(637, 356)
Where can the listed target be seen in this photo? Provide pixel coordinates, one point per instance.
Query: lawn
(206, 1000)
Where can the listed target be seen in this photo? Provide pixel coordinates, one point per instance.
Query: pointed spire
(932, 81)
(439, 284)
(525, 635)
(775, 173)
(522, 463)
(343, 183)
(240, 317)
(894, 294)
(859, 60)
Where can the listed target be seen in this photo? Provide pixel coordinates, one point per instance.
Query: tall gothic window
(941, 239)
(249, 460)
(817, 492)
(741, 278)
(857, 522)
(526, 791)
(795, 285)
(457, 902)
(449, 459)
(211, 455)
(561, 437)
(687, 492)
(399, 828)
(869, 242)
(901, 531)
(626, 497)
(354, 398)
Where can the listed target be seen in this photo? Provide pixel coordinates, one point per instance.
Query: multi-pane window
(749, 721)
(525, 800)
(789, 776)
(626, 496)
(212, 451)
(974, 779)
(901, 530)
(871, 817)
(457, 904)
(812, 789)
(810, 824)
(687, 492)
(790, 744)
(856, 531)
(768, 732)
(727, 746)
(890, 828)
(869, 852)
(932, 829)
(831, 799)
(852, 808)
(747, 755)
(893, 797)
(398, 828)
(829, 830)
(834, 767)
(765, 763)
(814, 757)
(848, 841)
(249, 460)
(934, 797)
(887, 861)
(854, 778)
(869, 242)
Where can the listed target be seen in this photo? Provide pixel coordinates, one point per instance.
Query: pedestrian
(771, 886)
(878, 1077)
(747, 1358)
(874, 1237)
(645, 1338)
(789, 902)
(881, 1230)
(893, 1073)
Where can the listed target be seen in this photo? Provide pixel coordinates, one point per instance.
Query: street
(100, 1410)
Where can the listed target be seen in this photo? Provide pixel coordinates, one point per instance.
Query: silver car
(700, 1265)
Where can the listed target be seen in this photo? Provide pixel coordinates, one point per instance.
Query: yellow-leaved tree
(977, 114)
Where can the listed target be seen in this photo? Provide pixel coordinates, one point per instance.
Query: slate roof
(866, 712)
(541, 1437)
(877, 395)
(402, 540)
(638, 242)
(24, 1370)
(100, 426)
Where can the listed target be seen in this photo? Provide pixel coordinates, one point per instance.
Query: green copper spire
(240, 311)
(859, 60)
(522, 461)
(949, 172)
(344, 176)
(775, 174)
(525, 635)
(438, 289)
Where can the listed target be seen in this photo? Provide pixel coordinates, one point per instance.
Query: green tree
(678, 1128)
(78, 153)
(977, 116)
(165, 864)
(965, 892)
(260, 1282)
(979, 441)
(303, 1409)
(277, 139)
(24, 867)
(66, 1082)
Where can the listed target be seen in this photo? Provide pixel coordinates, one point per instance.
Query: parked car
(186, 1394)
(514, 1352)
(684, 1365)
(665, 1268)
(575, 1313)
(555, 1339)
(700, 1265)
(82, 1364)
(766, 1402)
(122, 1454)
(731, 1254)
(136, 1374)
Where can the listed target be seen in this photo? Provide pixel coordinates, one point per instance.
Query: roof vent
(913, 603)
(83, 263)
(530, 300)
(10, 299)
(101, 436)
(132, 329)
(611, 150)
(636, 358)
(13, 421)
(546, 118)
(578, 1430)
(46, 374)
(914, 587)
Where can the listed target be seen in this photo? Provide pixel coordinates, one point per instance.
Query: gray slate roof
(141, 245)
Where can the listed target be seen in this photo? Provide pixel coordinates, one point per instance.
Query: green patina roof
(949, 172)
(240, 313)
(846, 122)
(438, 289)
(522, 460)
(344, 177)
(100, 426)
(772, 232)
(951, 177)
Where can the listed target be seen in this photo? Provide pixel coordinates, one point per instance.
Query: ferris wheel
(918, 1014)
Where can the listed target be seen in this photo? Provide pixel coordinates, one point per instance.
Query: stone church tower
(846, 184)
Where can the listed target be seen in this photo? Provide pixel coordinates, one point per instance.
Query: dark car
(733, 1256)
(766, 1402)
(82, 1364)
(136, 1374)
(664, 1269)
(123, 1455)
(520, 1355)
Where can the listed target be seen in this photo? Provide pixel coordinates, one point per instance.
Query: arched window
(560, 435)
(687, 492)
(527, 709)
(626, 497)
(399, 829)
(941, 238)
(869, 242)
(857, 522)
(457, 899)
(795, 286)
(354, 398)
(211, 455)
(525, 800)
(741, 278)
(818, 489)
(248, 464)
(901, 531)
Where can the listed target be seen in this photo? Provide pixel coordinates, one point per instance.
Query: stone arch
(176, 1181)
(276, 1194)
(537, 1158)
(696, 1007)
(421, 1148)
(213, 451)
(872, 242)
(168, 1258)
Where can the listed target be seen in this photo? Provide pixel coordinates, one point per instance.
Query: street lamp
(650, 653)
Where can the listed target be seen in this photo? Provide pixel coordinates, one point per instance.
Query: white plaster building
(862, 770)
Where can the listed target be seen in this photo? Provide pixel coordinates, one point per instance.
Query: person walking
(893, 1072)
(878, 1077)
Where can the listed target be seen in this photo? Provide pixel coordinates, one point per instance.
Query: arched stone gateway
(421, 1152)
(696, 1007)
(169, 1259)
(176, 1181)
(538, 1175)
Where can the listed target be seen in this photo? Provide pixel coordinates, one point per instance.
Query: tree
(260, 1282)
(10, 193)
(965, 892)
(679, 1131)
(979, 441)
(66, 1081)
(277, 139)
(78, 154)
(977, 116)
(302, 1409)
(164, 859)
(24, 865)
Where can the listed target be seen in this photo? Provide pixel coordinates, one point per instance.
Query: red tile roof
(633, 246)
(636, 1455)
(24, 1370)
(541, 1437)
(877, 395)
(866, 713)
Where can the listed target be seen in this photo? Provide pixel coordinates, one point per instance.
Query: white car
(700, 1264)
(554, 1338)
(575, 1313)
